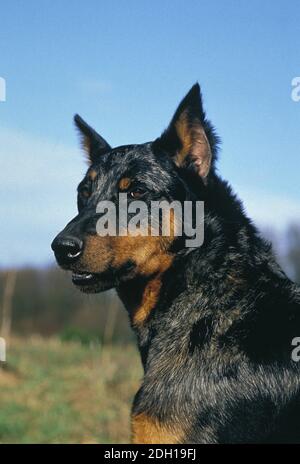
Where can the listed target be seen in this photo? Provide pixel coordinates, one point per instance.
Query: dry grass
(55, 392)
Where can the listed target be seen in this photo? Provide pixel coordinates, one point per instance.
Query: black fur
(216, 348)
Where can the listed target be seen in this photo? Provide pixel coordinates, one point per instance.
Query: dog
(215, 323)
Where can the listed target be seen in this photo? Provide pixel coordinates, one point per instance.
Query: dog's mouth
(89, 282)
(84, 278)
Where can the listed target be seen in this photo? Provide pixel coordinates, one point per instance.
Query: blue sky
(124, 66)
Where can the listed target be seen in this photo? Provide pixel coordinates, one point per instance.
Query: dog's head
(164, 169)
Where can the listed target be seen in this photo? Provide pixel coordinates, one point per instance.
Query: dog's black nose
(67, 249)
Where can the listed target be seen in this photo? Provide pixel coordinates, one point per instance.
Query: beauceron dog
(214, 323)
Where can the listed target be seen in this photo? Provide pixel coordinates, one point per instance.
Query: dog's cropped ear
(186, 140)
(93, 144)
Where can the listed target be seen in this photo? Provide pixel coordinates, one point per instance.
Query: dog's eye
(137, 193)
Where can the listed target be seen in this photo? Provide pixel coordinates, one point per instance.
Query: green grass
(56, 392)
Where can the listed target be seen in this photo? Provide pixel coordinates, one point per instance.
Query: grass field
(55, 392)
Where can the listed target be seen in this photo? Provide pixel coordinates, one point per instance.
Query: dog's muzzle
(67, 249)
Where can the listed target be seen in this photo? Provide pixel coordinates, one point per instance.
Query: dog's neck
(140, 297)
(218, 271)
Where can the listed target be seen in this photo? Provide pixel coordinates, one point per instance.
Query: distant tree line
(293, 254)
(286, 248)
(45, 302)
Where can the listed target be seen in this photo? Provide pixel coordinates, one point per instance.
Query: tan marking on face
(125, 183)
(92, 174)
(151, 260)
(147, 430)
(96, 256)
(149, 253)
